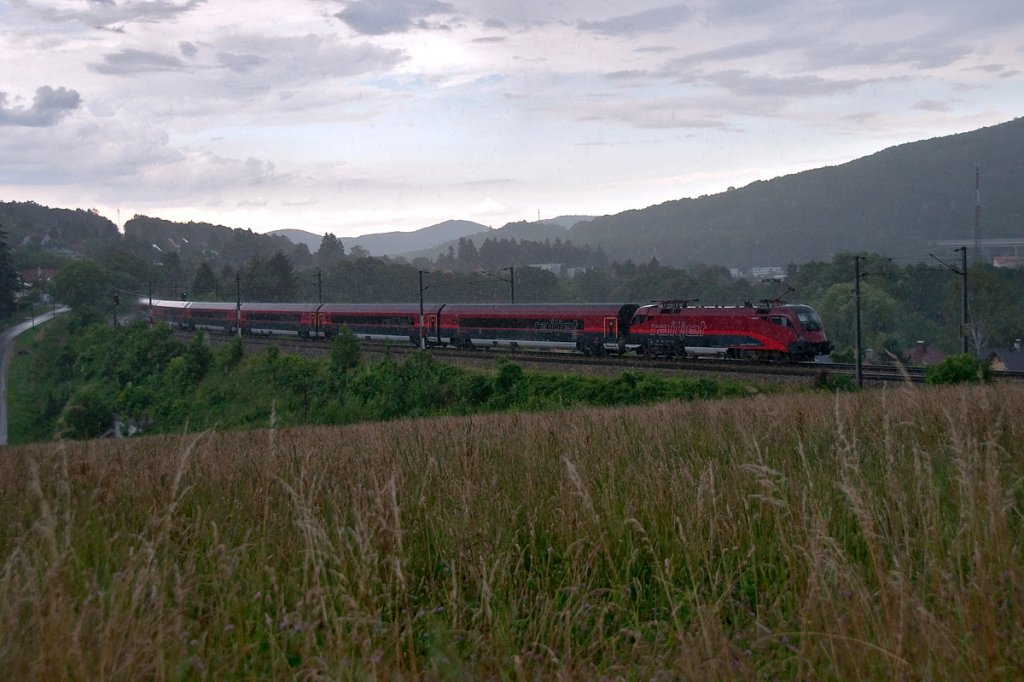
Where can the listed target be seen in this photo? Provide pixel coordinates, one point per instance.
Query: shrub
(958, 369)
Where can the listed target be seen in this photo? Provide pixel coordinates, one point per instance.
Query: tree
(331, 250)
(344, 353)
(82, 283)
(995, 310)
(205, 282)
(8, 279)
(282, 277)
(878, 315)
(468, 256)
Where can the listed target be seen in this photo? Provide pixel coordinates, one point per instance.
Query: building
(923, 354)
(1007, 359)
(1004, 253)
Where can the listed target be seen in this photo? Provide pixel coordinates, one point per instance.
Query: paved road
(6, 346)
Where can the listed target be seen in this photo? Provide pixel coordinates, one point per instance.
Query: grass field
(875, 535)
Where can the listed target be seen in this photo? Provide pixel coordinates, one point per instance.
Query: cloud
(932, 105)
(258, 63)
(102, 13)
(48, 108)
(923, 52)
(744, 50)
(656, 20)
(379, 17)
(748, 84)
(240, 63)
(188, 49)
(130, 62)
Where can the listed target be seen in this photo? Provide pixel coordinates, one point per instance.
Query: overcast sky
(357, 116)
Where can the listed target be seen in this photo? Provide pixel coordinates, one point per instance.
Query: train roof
(536, 308)
(212, 305)
(164, 303)
(676, 307)
(387, 308)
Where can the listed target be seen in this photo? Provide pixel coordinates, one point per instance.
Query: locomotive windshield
(808, 319)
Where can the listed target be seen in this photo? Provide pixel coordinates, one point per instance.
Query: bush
(89, 413)
(959, 369)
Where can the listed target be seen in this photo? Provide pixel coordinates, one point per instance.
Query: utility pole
(963, 299)
(856, 302)
(319, 299)
(962, 271)
(238, 303)
(423, 340)
(512, 283)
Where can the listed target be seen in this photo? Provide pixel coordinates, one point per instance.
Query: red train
(770, 330)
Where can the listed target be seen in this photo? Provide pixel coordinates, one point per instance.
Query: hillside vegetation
(864, 536)
(74, 374)
(894, 203)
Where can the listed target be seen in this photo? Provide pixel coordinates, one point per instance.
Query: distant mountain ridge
(554, 228)
(310, 239)
(392, 243)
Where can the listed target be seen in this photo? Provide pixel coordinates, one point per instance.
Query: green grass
(27, 398)
(875, 535)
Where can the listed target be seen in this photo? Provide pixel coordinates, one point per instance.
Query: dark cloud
(240, 63)
(932, 105)
(491, 39)
(754, 48)
(923, 52)
(989, 68)
(378, 17)
(48, 108)
(747, 84)
(729, 11)
(649, 21)
(130, 62)
(633, 75)
(188, 49)
(295, 61)
(107, 12)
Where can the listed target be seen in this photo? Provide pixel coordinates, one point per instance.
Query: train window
(809, 319)
(781, 321)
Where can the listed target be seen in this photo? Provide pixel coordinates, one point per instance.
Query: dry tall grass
(876, 536)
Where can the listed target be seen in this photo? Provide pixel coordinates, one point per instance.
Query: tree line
(900, 304)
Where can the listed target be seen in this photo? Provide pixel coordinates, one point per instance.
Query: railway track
(488, 357)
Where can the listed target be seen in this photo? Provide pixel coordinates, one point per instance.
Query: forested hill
(206, 241)
(894, 202)
(29, 224)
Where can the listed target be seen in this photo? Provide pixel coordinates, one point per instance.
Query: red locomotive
(769, 330)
